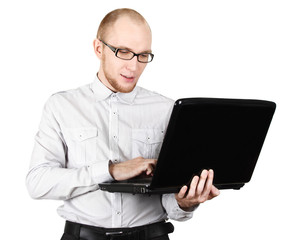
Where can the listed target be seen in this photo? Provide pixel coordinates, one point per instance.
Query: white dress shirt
(80, 131)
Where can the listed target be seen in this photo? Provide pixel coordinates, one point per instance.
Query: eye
(144, 57)
(122, 51)
(125, 54)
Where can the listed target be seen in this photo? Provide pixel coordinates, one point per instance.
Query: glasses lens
(145, 57)
(125, 54)
(128, 55)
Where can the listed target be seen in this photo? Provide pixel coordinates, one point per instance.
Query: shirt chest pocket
(82, 144)
(146, 142)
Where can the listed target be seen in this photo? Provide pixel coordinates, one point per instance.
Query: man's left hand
(201, 190)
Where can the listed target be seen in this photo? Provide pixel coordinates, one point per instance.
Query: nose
(132, 64)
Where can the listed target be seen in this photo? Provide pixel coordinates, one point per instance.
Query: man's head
(123, 29)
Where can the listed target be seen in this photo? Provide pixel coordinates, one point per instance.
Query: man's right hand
(132, 168)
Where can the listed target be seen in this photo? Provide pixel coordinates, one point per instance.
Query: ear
(97, 46)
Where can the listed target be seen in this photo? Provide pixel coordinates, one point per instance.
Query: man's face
(122, 75)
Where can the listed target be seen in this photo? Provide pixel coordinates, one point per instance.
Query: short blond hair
(113, 16)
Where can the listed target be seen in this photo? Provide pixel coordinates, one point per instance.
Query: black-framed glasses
(126, 54)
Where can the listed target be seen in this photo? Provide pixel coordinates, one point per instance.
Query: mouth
(128, 78)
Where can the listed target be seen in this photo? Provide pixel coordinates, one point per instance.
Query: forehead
(135, 35)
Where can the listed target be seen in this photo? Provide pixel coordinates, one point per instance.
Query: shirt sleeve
(48, 177)
(173, 210)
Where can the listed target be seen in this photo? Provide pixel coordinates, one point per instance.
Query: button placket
(113, 130)
(114, 155)
(117, 210)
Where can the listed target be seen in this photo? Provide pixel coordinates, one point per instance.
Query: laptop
(225, 135)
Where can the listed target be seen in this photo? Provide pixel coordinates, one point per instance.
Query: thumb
(182, 192)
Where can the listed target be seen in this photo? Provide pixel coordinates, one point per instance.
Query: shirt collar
(101, 92)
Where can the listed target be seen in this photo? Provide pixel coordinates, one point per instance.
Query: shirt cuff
(100, 172)
(173, 209)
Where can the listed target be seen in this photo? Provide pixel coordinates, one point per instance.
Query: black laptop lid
(225, 135)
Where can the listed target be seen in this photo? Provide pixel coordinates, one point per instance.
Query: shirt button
(118, 213)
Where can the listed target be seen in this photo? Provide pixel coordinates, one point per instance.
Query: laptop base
(136, 188)
(139, 188)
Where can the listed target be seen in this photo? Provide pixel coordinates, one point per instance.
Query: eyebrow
(129, 49)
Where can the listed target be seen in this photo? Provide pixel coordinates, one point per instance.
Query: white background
(239, 49)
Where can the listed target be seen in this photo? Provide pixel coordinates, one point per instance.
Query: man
(110, 129)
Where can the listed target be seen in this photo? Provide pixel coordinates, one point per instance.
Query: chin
(120, 85)
(126, 89)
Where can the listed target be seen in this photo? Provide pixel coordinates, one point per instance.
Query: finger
(152, 161)
(149, 170)
(214, 192)
(193, 187)
(147, 162)
(182, 192)
(150, 165)
(202, 182)
(208, 184)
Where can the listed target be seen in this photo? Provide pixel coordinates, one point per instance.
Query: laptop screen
(225, 135)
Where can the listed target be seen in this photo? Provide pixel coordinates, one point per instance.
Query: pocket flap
(149, 136)
(81, 134)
